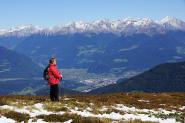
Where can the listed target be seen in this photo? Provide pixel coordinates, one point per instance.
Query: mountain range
(102, 47)
(122, 26)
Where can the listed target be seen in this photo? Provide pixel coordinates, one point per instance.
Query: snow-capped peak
(79, 24)
(172, 23)
(22, 30)
(122, 26)
(169, 19)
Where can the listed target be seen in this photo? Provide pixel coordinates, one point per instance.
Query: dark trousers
(54, 92)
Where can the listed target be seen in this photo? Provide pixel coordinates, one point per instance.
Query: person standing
(54, 79)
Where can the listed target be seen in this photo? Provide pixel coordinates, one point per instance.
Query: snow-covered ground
(182, 108)
(6, 120)
(130, 113)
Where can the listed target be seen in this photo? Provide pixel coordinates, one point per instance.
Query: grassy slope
(169, 101)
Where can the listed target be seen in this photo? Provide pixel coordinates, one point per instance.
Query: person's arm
(55, 72)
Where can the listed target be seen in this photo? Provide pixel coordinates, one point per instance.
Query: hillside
(120, 107)
(169, 77)
(16, 65)
(120, 53)
(17, 72)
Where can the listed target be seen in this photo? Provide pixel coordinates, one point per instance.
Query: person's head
(52, 60)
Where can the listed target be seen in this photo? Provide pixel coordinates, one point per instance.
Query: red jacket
(54, 75)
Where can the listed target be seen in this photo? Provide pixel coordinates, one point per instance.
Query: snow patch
(38, 121)
(147, 101)
(124, 108)
(104, 108)
(69, 121)
(66, 99)
(88, 109)
(6, 120)
(117, 116)
(182, 108)
(35, 112)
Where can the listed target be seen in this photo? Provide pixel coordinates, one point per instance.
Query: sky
(47, 13)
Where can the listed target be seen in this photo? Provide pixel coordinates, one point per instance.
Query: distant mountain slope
(17, 71)
(167, 77)
(120, 53)
(16, 65)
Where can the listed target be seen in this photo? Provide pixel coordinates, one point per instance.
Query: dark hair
(52, 59)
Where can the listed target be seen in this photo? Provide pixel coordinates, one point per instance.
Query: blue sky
(48, 13)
